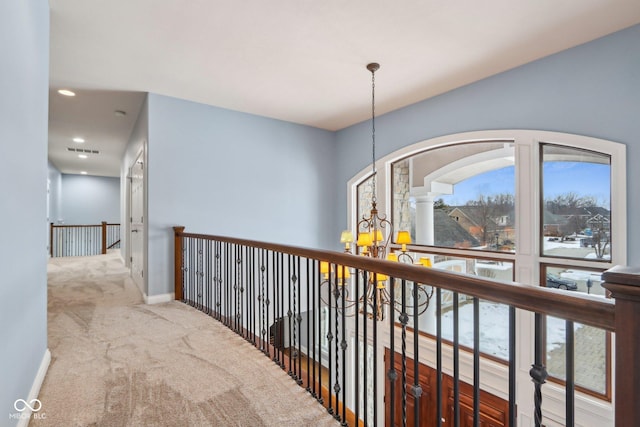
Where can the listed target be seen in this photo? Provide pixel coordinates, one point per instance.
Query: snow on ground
(494, 328)
(570, 248)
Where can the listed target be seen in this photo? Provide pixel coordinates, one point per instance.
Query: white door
(136, 226)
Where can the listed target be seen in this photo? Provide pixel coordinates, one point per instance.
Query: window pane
(591, 358)
(576, 215)
(590, 353)
(494, 326)
(459, 196)
(494, 317)
(575, 279)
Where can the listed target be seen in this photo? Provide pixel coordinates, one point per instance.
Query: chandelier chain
(373, 134)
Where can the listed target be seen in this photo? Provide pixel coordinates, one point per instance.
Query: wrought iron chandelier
(374, 235)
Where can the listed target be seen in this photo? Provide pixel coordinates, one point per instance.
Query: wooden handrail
(577, 307)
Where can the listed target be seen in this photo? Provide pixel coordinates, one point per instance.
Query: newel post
(178, 262)
(51, 240)
(104, 237)
(624, 285)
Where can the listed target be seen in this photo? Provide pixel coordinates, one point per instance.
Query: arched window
(536, 207)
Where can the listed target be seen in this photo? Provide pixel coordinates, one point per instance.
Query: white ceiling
(297, 60)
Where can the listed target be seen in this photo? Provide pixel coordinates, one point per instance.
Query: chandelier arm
(422, 306)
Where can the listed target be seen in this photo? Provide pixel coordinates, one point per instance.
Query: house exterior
(193, 187)
(487, 228)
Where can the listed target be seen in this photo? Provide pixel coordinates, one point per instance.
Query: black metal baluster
(538, 371)
(265, 274)
(512, 366)
(234, 288)
(189, 261)
(276, 308)
(317, 333)
(291, 289)
(228, 294)
(299, 321)
(476, 362)
(282, 308)
(417, 389)
(569, 365)
(186, 263)
(191, 271)
(356, 364)
(244, 293)
(209, 286)
(333, 267)
(274, 270)
(248, 294)
(375, 355)
(336, 295)
(309, 311)
(217, 280)
(392, 374)
(365, 343)
(439, 357)
(200, 274)
(343, 345)
(251, 296)
(456, 361)
(263, 303)
(255, 289)
(240, 295)
(403, 321)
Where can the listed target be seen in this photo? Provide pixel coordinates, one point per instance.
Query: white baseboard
(158, 299)
(35, 388)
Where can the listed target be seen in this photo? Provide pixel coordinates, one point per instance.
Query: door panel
(136, 229)
(494, 411)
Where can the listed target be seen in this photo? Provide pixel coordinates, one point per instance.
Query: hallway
(118, 362)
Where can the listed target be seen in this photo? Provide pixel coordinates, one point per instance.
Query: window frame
(528, 257)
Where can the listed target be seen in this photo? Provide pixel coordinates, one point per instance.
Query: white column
(424, 220)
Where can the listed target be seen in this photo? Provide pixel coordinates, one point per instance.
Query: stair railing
(297, 307)
(83, 240)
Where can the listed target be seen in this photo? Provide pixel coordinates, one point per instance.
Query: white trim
(158, 299)
(35, 387)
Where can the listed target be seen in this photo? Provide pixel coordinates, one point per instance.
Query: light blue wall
(55, 194)
(90, 199)
(592, 90)
(218, 171)
(24, 81)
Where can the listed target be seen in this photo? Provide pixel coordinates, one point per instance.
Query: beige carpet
(119, 362)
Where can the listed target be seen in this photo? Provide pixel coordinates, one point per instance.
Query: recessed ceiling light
(78, 140)
(120, 113)
(82, 156)
(83, 172)
(66, 92)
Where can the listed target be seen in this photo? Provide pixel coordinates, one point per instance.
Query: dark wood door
(427, 381)
(493, 410)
